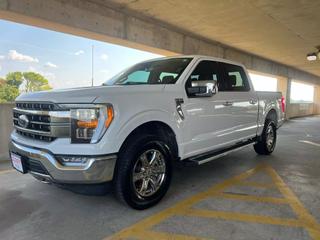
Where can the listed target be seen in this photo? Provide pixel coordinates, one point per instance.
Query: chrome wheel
(149, 173)
(270, 137)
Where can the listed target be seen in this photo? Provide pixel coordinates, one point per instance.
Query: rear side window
(233, 78)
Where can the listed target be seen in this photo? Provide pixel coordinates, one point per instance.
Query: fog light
(73, 160)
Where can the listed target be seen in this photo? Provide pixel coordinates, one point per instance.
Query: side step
(207, 157)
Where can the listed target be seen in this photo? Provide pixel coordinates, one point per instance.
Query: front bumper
(98, 169)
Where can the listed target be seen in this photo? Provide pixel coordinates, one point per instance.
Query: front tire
(267, 142)
(143, 172)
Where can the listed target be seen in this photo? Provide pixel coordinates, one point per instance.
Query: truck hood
(86, 94)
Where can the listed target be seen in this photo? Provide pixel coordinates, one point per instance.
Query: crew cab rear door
(242, 101)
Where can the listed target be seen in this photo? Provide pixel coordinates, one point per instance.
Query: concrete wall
(5, 128)
(303, 109)
(300, 109)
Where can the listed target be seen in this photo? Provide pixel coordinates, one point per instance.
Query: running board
(207, 157)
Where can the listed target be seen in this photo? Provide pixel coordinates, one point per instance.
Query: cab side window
(234, 78)
(206, 70)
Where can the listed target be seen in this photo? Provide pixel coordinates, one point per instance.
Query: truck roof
(199, 57)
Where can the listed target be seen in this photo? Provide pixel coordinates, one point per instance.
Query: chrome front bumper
(98, 169)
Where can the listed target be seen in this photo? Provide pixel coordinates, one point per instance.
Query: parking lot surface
(240, 196)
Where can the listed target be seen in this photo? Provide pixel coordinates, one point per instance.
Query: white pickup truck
(129, 131)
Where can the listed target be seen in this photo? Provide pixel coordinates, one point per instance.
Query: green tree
(14, 79)
(9, 87)
(2, 82)
(8, 93)
(35, 82)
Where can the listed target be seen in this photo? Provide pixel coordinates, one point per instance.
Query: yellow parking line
(255, 184)
(148, 235)
(142, 229)
(6, 171)
(243, 217)
(311, 224)
(180, 207)
(254, 198)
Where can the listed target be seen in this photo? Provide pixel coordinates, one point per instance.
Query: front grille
(36, 136)
(37, 106)
(41, 121)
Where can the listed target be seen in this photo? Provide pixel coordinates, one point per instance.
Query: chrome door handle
(253, 101)
(228, 103)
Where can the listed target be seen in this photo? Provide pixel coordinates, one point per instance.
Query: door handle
(253, 101)
(228, 103)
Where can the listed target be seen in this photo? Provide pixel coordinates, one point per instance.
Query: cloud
(51, 65)
(15, 56)
(77, 53)
(0, 68)
(2, 57)
(104, 57)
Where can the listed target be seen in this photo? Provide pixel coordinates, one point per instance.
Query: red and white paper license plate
(17, 162)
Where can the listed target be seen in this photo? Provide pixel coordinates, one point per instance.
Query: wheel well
(160, 129)
(272, 115)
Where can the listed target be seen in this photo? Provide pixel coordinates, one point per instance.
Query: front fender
(170, 119)
(265, 107)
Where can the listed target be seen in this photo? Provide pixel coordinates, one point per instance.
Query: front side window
(163, 71)
(138, 77)
(205, 74)
(234, 78)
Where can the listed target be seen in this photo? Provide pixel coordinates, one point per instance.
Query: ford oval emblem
(23, 121)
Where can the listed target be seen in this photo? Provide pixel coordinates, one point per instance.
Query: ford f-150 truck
(130, 130)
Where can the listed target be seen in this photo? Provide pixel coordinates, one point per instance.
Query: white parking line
(311, 143)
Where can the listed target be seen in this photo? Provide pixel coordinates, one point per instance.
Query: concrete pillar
(282, 86)
(317, 99)
(6, 126)
(288, 94)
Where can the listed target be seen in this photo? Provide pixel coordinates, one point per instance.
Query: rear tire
(267, 142)
(143, 172)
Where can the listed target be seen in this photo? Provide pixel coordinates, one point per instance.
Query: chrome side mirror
(205, 88)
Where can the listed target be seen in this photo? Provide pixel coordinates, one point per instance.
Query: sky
(64, 59)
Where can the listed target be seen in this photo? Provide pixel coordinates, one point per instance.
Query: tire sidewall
(268, 124)
(128, 159)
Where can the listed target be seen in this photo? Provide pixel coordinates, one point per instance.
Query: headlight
(88, 125)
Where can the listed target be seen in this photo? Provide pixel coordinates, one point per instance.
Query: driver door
(207, 117)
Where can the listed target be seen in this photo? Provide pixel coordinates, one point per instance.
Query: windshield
(163, 71)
